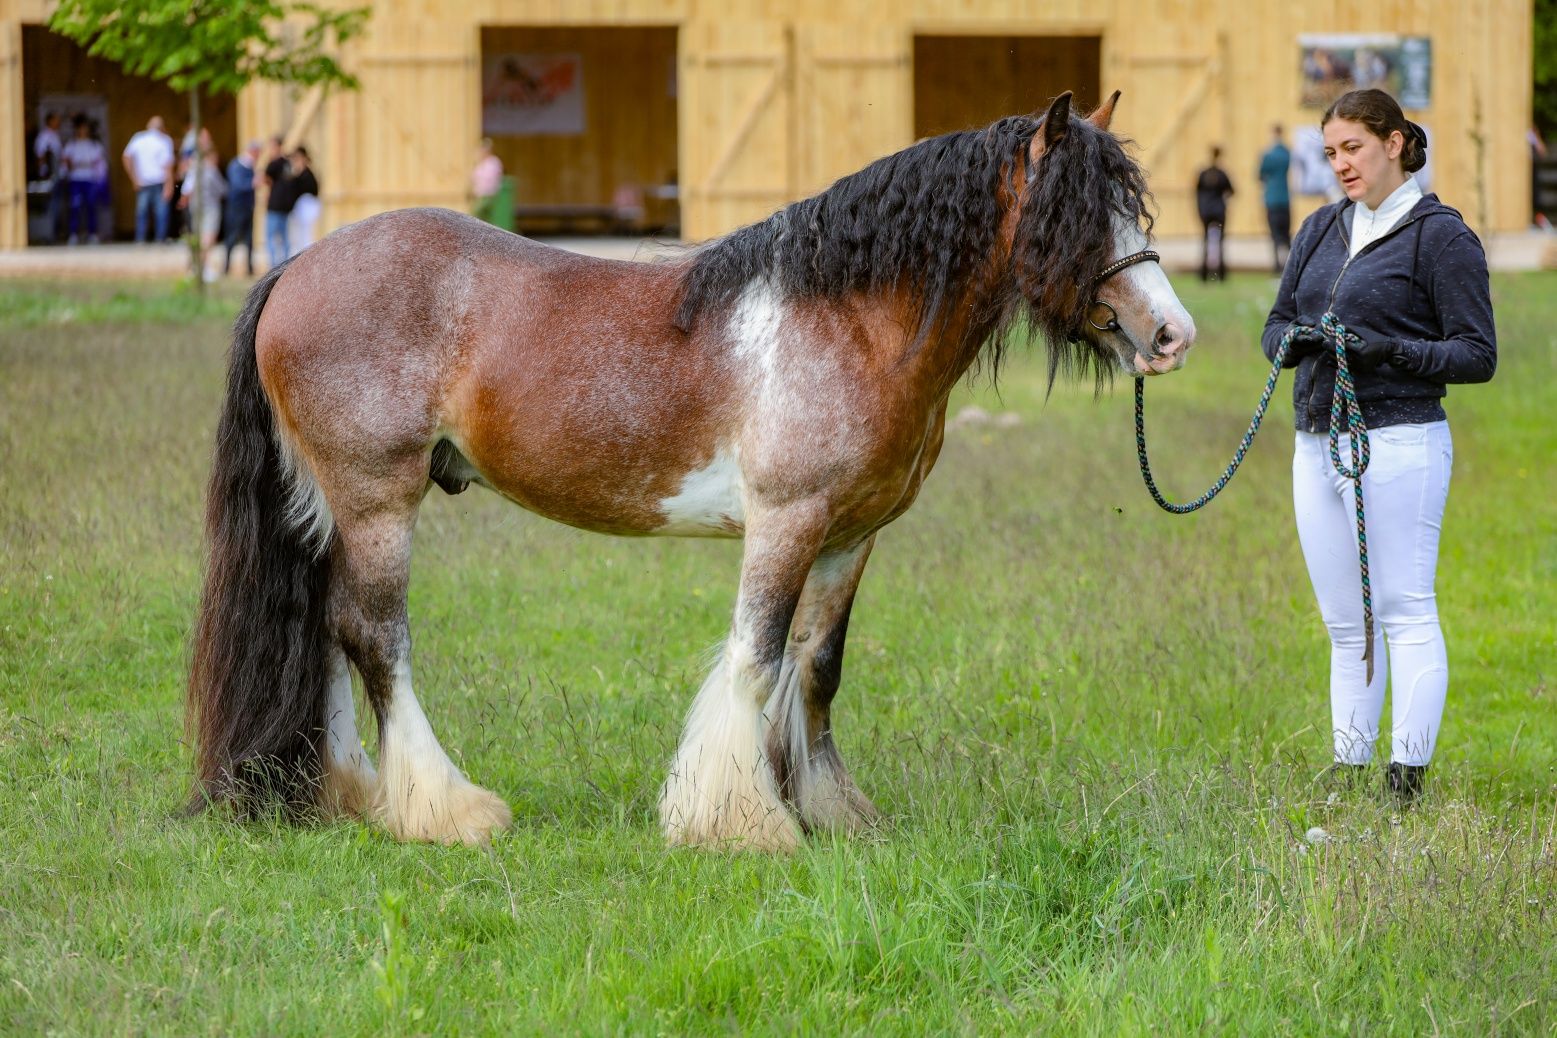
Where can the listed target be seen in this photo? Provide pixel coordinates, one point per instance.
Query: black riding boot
(1341, 778)
(1405, 781)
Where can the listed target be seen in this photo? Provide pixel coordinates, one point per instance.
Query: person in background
(305, 203)
(205, 206)
(278, 203)
(1538, 151)
(485, 180)
(148, 159)
(83, 161)
(1212, 189)
(49, 150)
(1408, 278)
(1275, 166)
(241, 174)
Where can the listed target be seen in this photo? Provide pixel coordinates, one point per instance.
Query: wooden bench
(568, 219)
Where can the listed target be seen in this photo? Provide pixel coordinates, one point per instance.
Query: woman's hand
(1306, 340)
(1370, 354)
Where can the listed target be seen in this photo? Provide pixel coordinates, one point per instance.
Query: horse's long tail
(258, 679)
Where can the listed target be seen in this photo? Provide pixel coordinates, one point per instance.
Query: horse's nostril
(1168, 340)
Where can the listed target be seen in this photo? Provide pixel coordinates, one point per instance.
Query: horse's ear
(1055, 125)
(1105, 112)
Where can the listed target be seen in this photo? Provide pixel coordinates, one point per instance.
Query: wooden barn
(695, 116)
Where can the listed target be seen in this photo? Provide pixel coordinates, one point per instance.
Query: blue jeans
(83, 201)
(148, 199)
(276, 237)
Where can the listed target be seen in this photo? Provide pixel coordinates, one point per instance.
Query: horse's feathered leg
(421, 794)
(813, 777)
(350, 784)
(722, 790)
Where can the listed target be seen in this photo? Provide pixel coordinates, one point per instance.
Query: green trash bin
(499, 209)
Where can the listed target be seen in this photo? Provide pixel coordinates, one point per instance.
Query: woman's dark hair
(1381, 114)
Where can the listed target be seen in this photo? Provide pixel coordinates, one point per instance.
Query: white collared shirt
(1369, 225)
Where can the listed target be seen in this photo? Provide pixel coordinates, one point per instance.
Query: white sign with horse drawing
(527, 95)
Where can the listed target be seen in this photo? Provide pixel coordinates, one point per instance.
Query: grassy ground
(1094, 727)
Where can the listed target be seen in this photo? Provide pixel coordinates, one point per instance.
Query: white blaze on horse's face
(1154, 330)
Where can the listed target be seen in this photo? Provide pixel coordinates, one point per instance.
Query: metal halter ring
(1112, 324)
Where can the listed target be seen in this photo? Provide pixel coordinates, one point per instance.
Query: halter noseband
(1112, 325)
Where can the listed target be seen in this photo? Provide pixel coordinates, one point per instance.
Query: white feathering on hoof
(421, 794)
(721, 791)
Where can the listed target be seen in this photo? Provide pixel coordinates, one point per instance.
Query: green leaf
(215, 47)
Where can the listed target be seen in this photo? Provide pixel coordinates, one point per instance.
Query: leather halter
(1107, 272)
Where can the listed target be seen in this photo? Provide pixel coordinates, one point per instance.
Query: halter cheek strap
(1112, 324)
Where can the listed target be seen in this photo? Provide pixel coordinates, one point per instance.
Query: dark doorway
(962, 82)
(59, 75)
(584, 120)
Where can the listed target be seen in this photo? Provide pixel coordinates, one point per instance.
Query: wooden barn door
(771, 112)
(13, 156)
(736, 107)
(408, 136)
(855, 85)
(1177, 107)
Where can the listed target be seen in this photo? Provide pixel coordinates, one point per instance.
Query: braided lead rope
(1343, 408)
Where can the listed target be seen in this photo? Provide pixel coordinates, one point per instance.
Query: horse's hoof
(772, 831)
(465, 814)
(348, 793)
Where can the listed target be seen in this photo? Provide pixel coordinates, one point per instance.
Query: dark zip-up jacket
(1422, 285)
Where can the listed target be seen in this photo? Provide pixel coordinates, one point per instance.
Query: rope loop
(1345, 412)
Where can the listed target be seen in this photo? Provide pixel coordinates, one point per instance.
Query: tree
(214, 46)
(1544, 48)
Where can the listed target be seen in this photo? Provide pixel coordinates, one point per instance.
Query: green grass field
(1093, 727)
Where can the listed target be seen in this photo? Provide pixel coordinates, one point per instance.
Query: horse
(786, 383)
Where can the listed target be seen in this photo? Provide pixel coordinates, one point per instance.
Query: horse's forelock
(1066, 232)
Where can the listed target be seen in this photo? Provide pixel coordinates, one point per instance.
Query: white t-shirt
(86, 159)
(1369, 225)
(48, 148)
(150, 153)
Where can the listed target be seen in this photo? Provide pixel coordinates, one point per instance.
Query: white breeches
(1404, 491)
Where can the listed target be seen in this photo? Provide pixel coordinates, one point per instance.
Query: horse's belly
(707, 501)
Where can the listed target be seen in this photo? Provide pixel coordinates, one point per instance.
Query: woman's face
(1367, 167)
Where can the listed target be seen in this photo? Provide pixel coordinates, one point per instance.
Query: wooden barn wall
(629, 81)
(776, 98)
(13, 141)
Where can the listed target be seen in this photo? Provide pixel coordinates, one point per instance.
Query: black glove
(1368, 355)
(1306, 341)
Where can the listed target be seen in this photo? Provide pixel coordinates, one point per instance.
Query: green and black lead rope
(1344, 409)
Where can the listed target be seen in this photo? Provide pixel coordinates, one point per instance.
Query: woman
(205, 205)
(84, 160)
(304, 215)
(1405, 274)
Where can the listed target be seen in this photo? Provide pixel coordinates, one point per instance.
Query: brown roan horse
(786, 384)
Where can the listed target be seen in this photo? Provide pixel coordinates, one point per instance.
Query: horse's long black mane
(926, 220)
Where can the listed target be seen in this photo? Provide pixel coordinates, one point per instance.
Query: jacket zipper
(1346, 241)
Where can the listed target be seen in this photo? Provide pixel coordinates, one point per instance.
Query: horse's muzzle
(1168, 349)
